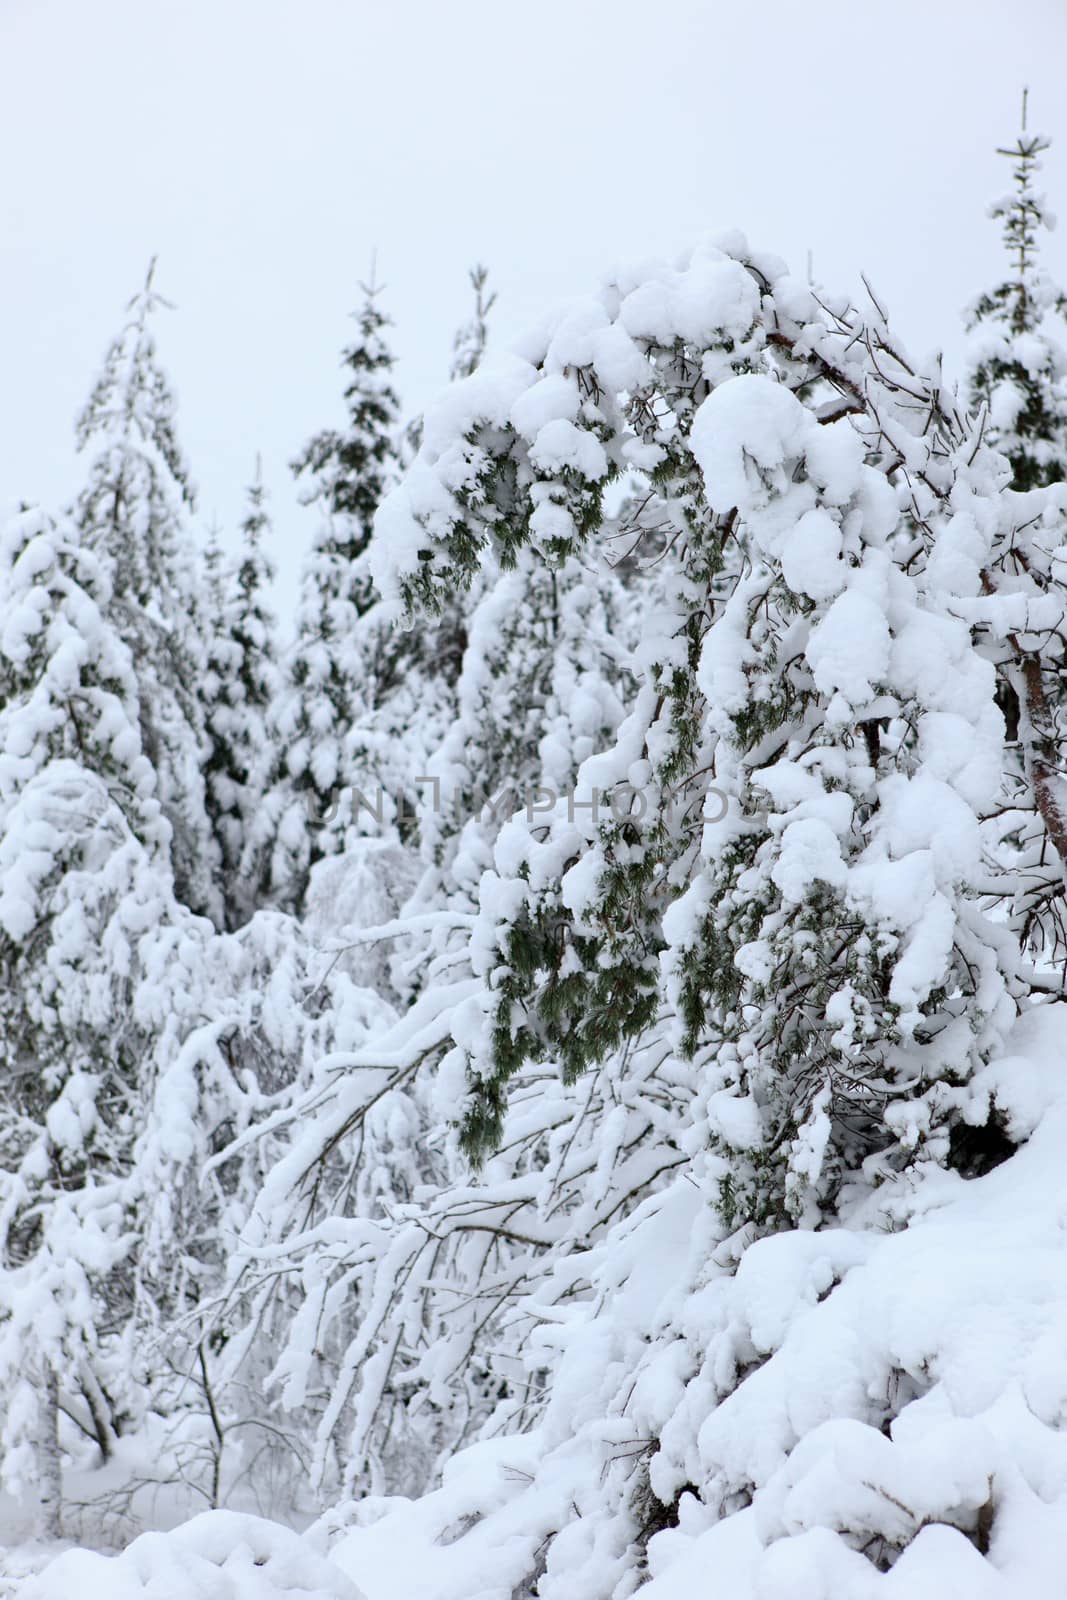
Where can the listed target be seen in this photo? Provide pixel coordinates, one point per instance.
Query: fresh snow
(561, 1097)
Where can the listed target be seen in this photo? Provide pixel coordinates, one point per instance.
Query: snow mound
(220, 1555)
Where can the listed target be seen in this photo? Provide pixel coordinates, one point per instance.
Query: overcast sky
(263, 148)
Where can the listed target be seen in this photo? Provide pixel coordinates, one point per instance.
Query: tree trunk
(1044, 776)
(50, 1488)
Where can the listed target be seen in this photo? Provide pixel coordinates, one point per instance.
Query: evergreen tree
(131, 512)
(337, 666)
(468, 346)
(84, 878)
(580, 962)
(241, 687)
(347, 473)
(1017, 384)
(1018, 368)
(139, 1049)
(777, 932)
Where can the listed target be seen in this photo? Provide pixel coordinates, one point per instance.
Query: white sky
(263, 147)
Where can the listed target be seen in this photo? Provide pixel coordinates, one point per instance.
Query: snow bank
(220, 1555)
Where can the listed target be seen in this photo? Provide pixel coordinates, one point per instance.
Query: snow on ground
(219, 1555)
(963, 1298)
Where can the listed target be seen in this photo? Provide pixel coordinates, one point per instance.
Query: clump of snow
(713, 298)
(811, 556)
(849, 649)
(748, 427)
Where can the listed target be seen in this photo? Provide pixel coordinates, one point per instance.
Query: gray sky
(263, 147)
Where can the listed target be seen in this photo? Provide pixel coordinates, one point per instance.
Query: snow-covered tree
(84, 873)
(137, 1042)
(1018, 367)
(405, 1377)
(346, 473)
(468, 349)
(337, 666)
(449, 641)
(239, 690)
(1017, 387)
(468, 345)
(775, 931)
(765, 681)
(132, 514)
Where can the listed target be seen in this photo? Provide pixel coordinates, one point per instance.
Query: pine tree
(468, 346)
(338, 665)
(1018, 366)
(84, 874)
(1017, 385)
(346, 474)
(131, 512)
(772, 960)
(729, 696)
(239, 691)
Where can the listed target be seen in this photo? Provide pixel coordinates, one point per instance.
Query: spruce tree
(240, 691)
(1016, 385)
(336, 667)
(346, 473)
(468, 345)
(84, 879)
(1018, 367)
(132, 513)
